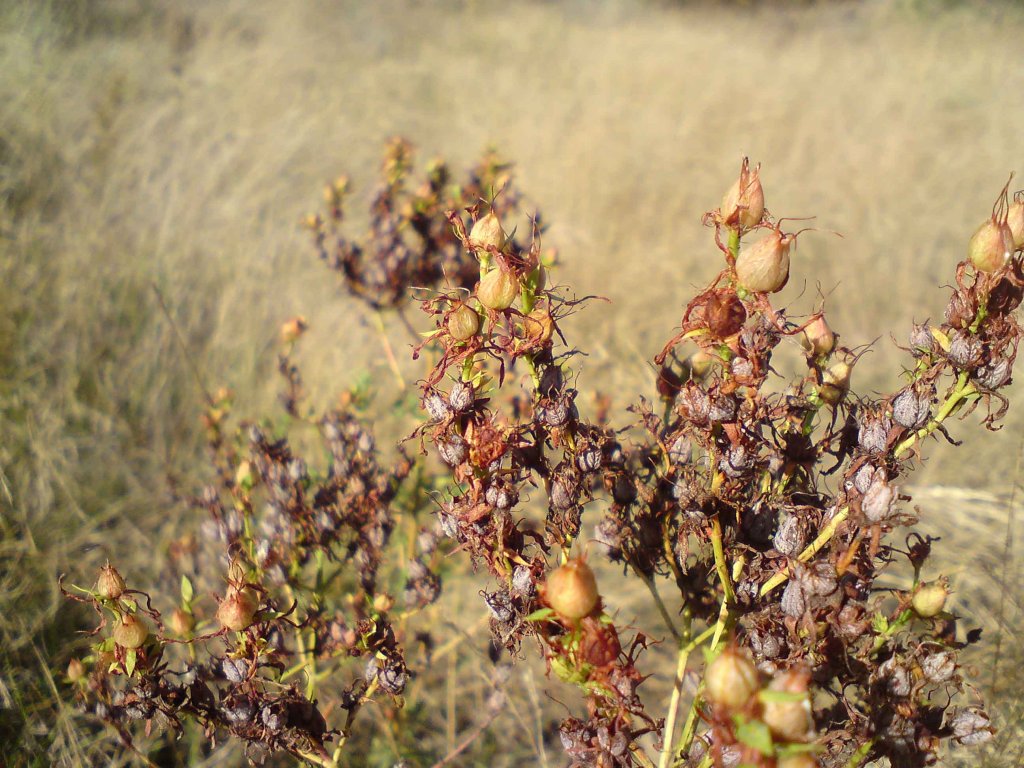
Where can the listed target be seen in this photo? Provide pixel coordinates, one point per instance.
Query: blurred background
(175, 146)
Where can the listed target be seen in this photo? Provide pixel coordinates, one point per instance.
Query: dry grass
(179, 143)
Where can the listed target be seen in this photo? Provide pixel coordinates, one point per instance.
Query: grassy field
(177, 145)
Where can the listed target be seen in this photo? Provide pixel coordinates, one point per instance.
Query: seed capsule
(109, 584)
(293, 328)
(572, 590)
(930, 599)
(462, 323)
(817, 338)
(539, 326)
(743, 204)
(487, 233)
(238, 609)
(498, 288)
(764, 266)
(790, 720)
(1015, 221)
(731, 680)
(182, 623)
(991, 246)
(835, 383)
(130, 632)
(76, 670)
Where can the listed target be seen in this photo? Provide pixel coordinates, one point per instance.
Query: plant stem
(677, 689)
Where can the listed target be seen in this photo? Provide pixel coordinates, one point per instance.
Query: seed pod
(873, 432)
(237, 610)
(699, 364)
(896, 677)
(181, 623)
(991, 246)
(109, 584)
(539, 326)
(452, 449)
(879, 501)
(1015, 221)
(835, 383)
(764, 266)
(725, 315)
(234, 670)
(817, 338)
(498, 288)
(731, 680)
(293, 328)
(939, 667)
(791, 719)
(994, 374)
(930, 599)
(461, 396)
(911, 409)
(571, 590)
(743, 204)
(130, 632)
(436, 406)
(487, 233)
(76, 671)
(970, 727)
(462, 323)
(790, 538)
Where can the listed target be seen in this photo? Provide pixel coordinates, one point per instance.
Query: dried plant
(772, 502)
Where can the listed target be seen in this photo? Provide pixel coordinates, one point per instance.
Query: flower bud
(572, 590)
(109, 584)
(237, 610)
(245, 477)
(743, 204)
(835, 383)
(462, 323)
(790, 720)
(292, 328)
(487, 233)
(929, 599)
(1015, 221)
(991, 246)
(76, 670)
(731, 680)
(764, 266)
(817, 338)
(181, 622)
(130, 632)
(498, 288)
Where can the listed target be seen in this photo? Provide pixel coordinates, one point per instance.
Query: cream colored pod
(764, 266)
(498, 288)
(743, 204)
(487, 232)
(572, 590)
(731, 680)
(991, 246)
(1015, 221)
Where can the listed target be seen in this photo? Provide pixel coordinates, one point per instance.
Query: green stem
(673, 708)
(812, 549)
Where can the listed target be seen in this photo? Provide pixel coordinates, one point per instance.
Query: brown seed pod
(817, 338)
(109, 584)
(181, 622)
(743, 204)
(571, 590)
(725, 315)
(238, 609)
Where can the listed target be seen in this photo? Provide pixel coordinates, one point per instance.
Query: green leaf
(187, 593)
(129, 662)
(879, 623)
(540, 615)
(755, 735)
(787, 750)
(781, 696)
